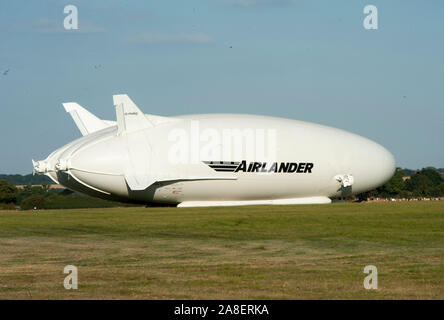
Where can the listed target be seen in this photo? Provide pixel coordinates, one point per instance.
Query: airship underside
(213, 159)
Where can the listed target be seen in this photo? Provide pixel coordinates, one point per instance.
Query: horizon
(411, 169)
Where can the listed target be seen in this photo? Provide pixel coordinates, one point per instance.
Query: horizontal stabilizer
(137, 183)
(85, 120)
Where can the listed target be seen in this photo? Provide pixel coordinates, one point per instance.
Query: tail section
(129, 117)
(85, 120)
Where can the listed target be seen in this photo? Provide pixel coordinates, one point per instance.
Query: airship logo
(264, 167)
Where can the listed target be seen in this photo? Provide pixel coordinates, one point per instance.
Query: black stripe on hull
(222, 162)
(222, 166)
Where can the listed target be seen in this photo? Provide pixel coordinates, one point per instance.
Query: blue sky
(304, 59)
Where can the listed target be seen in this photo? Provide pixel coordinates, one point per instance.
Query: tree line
(43, 197)
(427, 182)
(27, 179)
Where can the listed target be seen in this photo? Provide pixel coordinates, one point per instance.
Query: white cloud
(149, 38)
(45, 25)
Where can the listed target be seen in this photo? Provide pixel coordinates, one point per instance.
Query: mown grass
(258, 252)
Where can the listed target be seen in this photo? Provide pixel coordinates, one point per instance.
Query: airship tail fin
(85, 120)
(129, 116)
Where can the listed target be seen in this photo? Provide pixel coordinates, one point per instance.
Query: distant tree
(8, 192)
(28, 191)
(7, 206)
(36, 201)
(441, 189)
(433, 175)
(427, 182)
(45, 187)
(395, 185)
(420, 185)
(409, 172)
(405, 194)
(29, 179)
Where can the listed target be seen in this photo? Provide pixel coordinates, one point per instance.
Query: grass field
(259, 252)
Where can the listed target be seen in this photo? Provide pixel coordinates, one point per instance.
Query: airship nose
(388, 165)
(376, 166)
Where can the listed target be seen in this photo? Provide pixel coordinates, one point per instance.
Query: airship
(213, 159)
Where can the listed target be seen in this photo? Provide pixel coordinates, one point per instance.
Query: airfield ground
(259, 252)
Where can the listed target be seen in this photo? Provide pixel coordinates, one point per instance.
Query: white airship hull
(192, 161)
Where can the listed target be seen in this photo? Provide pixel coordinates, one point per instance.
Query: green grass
(258, 252)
